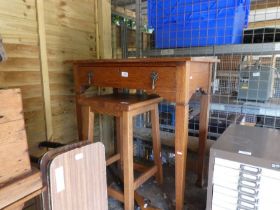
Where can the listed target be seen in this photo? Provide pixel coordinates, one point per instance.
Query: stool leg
(119, 136)
(128, 161)
(156, 143)
(91, 126)
(84, 122)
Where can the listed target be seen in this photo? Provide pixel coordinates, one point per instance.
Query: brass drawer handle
(154, 78)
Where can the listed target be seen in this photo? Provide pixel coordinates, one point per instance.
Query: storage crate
(193, 23)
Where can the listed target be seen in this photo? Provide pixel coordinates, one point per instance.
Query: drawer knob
(154, 78)
(90, 76)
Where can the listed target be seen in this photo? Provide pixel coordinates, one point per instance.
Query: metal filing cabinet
(244, 170)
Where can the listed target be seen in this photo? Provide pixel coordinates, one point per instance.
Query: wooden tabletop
(147, 60)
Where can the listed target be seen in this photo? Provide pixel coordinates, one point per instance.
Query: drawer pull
(246, 205)
(250, 170)
(154, 78)
(248, 184)
(249, 177)
(248, 198)
(247, 191)
(90, 76)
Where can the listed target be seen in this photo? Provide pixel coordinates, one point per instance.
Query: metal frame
(252, 49)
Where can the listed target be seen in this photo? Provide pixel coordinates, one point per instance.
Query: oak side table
(174, 79)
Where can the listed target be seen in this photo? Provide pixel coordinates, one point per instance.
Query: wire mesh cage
(243, 34)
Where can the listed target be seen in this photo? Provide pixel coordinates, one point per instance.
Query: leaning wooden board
(18, 182)
(13, 150)
(78, 179)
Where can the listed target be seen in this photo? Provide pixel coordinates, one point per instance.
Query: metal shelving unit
(226, 74)
(252, 49)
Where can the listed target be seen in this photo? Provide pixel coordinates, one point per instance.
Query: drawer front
(235, 185)
(130, 77)
(241, 186)
(142, 77)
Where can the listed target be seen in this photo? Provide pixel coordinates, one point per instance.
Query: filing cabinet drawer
(236, 184)
(244, 170)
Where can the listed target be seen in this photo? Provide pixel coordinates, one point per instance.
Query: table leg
(84, 123)
(119, 141)
(181, 142)
(157, 143)
(79, 119)
(128, 161)
(203, 132)
(91, 126)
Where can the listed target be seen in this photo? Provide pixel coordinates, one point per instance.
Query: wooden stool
(124, 108)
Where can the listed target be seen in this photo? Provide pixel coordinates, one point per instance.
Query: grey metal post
(138, 28)
(124, 40)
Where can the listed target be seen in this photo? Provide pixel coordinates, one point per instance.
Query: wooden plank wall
(70, 34)
(18, 27)
(70, 27)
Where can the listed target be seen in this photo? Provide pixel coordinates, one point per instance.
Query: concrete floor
(164, 197)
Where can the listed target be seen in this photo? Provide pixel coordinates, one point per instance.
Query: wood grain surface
(78, 179)
(20, 188)
(14, 157)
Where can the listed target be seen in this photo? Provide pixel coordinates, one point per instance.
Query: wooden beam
(96, 29)
(44, 67)
(123, 12)
(145, 176)
(264, 4)
(262, 24)
(115, 194)
(20, 203)
(113, 159)
(104, 28)
(104, 48)
(127, 13)
(20, 188)
(140, 167)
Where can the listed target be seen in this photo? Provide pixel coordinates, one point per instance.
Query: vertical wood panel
(104, 28)
(70, 34)
(44, 67)
(18, 27)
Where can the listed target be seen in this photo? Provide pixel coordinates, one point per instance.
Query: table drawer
(131, 77)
